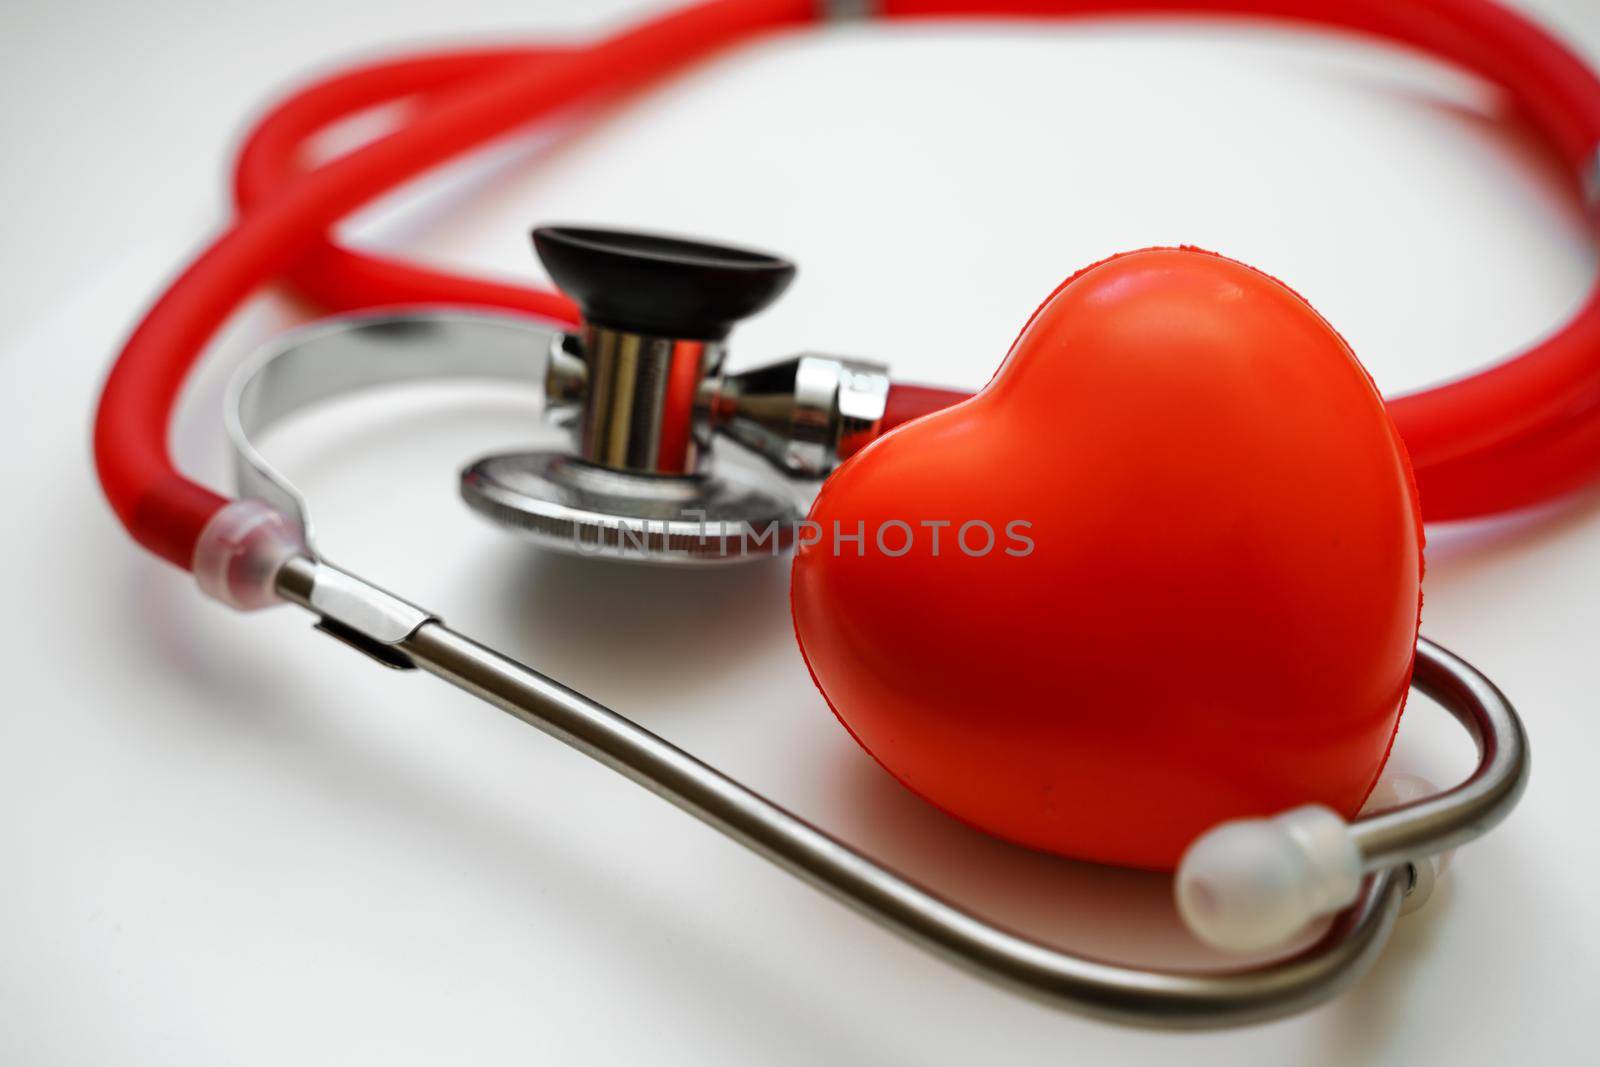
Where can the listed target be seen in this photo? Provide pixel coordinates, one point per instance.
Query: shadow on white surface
(1456, 549)
(1115, 914)
(295, 723)
(678, 631)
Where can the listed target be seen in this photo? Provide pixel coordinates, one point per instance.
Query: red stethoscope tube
(1518, 433)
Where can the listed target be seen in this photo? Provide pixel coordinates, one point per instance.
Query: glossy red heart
(1201, 593)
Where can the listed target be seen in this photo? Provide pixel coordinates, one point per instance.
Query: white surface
(225, 839)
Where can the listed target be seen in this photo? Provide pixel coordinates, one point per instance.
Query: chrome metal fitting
(566, 377)
(641, 385)
(645, 403)
(808, 414)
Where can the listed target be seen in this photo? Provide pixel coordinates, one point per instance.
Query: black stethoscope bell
(642, 386)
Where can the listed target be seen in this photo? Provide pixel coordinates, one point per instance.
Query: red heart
(1218, 614)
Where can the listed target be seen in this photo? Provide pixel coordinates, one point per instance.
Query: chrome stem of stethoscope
(1389, 841)
(641, 385)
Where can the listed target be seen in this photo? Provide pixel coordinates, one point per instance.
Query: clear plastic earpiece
(1251, 884)
(240, 550)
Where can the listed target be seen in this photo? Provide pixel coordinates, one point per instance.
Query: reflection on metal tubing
(1166, 999)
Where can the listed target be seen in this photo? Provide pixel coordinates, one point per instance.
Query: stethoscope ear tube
(1387, 843)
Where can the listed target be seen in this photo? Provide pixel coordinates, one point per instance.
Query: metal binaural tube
(1061, 979)
(1165, 999)
(1469, 810)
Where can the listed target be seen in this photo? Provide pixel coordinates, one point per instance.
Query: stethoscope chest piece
(562, 502)
(642, 388)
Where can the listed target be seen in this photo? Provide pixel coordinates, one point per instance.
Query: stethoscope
(631, 361)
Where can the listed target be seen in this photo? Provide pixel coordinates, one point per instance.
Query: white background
(225, 839)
